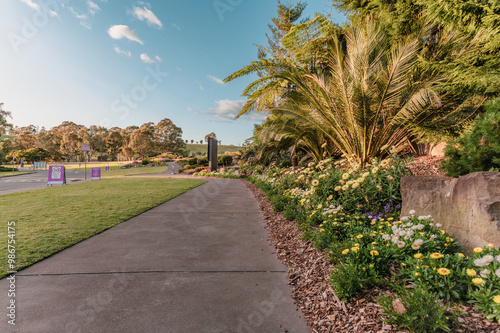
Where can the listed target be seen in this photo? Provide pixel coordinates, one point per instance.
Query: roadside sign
(57, 175)
(85, 148)
(96, 174)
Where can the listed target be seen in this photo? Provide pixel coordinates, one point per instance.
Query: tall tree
(168, 137)
(141, 140)
(4, 125)
(114, 143)
(288, 16)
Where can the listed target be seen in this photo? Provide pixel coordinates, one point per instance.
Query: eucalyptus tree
(3, 119)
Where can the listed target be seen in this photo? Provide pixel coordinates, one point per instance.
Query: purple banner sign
(96, 174)
(57, 175)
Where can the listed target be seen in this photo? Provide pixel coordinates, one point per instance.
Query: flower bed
(352, 213)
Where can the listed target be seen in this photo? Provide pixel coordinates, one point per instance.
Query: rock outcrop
(468, 207)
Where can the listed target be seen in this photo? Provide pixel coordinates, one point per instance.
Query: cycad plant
(361, 100)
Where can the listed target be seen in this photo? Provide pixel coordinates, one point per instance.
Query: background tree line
(63, 142)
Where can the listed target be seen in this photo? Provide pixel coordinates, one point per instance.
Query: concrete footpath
(198, 263)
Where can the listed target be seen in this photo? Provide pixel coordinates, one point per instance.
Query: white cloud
(120, 51)
(33, 5)
(200, 85)
(93, 7)
(85, 18)
(146, 14)
(226, 110)
(176, 26)
(148, 60)
(123, 31)
(216, 79)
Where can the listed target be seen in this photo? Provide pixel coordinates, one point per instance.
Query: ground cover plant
(50, 220)
(352, 212)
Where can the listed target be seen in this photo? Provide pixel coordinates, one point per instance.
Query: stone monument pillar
(212, 154)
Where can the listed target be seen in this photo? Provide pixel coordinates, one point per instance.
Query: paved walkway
(198, 263)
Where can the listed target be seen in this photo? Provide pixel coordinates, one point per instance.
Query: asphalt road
(36, 180)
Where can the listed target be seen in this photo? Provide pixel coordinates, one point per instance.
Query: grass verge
(17, 173)
(50, 220)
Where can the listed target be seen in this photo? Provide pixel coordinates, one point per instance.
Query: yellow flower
(477, 281)
(375, 170)
(345, 187)
(417, 255)
(359, 236)
(461, 255)
(322, 230)
(355, 185)
(390, 218)
(374, 253)
(331, 196)
(436, 255)
(336, 189)
(417, 274)
(496, 299)
(345, 176)
(323, 145)
(346, 251)
(320, 206)
(355, 249)
(478, 250)
(491, 246)
(444, 271)
(471, 272)
(391, 178)
(379, 188)
(315, 182)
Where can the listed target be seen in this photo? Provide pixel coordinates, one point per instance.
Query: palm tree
(361, 100)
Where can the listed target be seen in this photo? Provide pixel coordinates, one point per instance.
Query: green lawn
(49, 220)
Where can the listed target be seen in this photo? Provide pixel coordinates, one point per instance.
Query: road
(36, 180)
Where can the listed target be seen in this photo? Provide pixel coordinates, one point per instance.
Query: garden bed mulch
(426, 165)
(309, 272)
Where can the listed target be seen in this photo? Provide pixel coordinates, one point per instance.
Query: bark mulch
(426, 165)
(309, 272)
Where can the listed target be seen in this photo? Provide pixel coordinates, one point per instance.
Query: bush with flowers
(484, 276)
(353, 213)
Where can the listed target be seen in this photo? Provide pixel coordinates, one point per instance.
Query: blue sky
(122, 63)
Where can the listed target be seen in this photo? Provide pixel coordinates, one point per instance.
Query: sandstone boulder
(468, 207)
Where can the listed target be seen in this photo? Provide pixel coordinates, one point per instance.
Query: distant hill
(11, 137)
(201, 149)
